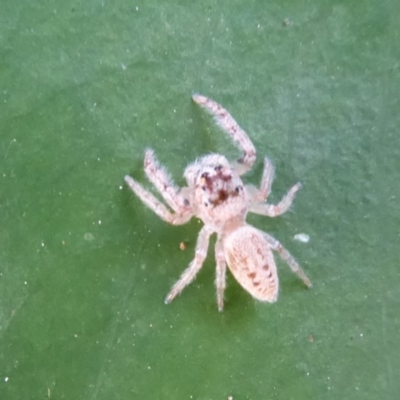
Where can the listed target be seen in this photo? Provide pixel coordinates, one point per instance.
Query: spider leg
(271, 210)
(220, 278)
(189, 273)
(226, 122)
(160, 178)
(288, 258)
(259, 195)
(154, 204)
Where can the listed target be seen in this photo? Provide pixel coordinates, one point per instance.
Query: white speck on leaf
(88, 237)
(302, 237)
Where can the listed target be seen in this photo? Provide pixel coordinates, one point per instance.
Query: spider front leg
(164, 184)
(288, 258)
(258, 206)
(160, 178)
(260, 194)
(220, 278)
(189, 273)
(179, 218)
(226, 122)
(271, 210)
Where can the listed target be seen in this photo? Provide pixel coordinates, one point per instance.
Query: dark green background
(85, 87)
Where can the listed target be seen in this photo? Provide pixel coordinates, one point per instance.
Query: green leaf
(85, 87)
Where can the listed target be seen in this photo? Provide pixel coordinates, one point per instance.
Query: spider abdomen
(251, 262)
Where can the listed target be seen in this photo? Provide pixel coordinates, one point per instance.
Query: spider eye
(204, 175)
(218, 167)
(238, 189)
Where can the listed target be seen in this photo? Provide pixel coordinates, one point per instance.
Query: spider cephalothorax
(216, 195)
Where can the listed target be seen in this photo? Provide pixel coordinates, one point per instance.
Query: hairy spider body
(216, 194)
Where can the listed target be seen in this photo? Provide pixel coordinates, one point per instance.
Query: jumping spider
(216, 194)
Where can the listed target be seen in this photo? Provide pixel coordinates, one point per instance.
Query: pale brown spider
(216, 194)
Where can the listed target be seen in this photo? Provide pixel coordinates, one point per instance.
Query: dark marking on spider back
(224, 178)
(222, 195)
(266, 268)
(219, 186)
